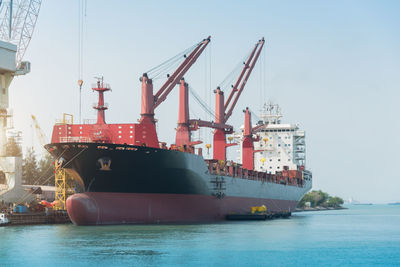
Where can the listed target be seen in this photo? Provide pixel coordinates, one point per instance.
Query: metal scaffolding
(64, 188)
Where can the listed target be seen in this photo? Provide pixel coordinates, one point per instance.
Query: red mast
(219, 149)
(147, 114)
(183, 132)
(247, 144)
(101, 106)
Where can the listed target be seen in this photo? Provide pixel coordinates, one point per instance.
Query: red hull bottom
(123, 208)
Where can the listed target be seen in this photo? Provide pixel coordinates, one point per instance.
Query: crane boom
(28, 27)
(173, 80)
(151, 101)
(18, 23)
(246, 66)
(40, 134)
(249, 70)
(221, 117)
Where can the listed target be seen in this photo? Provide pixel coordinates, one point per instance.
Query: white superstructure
(277, 144)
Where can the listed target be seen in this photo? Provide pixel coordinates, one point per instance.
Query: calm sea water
(359, 236)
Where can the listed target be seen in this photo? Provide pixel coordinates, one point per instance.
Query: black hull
(138, 170)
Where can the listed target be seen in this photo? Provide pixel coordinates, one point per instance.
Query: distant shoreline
(319, 209)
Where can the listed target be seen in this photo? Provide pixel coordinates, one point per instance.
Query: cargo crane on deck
(151, 101)
(223, 111)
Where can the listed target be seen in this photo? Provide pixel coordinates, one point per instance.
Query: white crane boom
(17, 23)
(40, 134)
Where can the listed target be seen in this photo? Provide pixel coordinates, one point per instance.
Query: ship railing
(75, 139)
(63, 121)
(101, 85)
(96, 105)
(231, 169)
(89, 121)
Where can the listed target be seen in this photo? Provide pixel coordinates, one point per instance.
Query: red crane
(221, 116)
(151, 101)
(220, 144)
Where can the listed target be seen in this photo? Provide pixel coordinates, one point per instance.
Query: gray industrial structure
(17, 22)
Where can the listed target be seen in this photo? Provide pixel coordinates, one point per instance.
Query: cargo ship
(128, 176)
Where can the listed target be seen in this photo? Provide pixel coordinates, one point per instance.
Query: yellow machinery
(63, 188)
(258, 209)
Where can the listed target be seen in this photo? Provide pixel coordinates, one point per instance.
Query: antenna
(99, 81)
(80, 83)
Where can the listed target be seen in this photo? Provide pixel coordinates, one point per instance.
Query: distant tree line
(37, 172)
(320, 199)
(34, 171)
(13, 149)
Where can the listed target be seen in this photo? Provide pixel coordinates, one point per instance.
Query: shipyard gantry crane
(17, 22)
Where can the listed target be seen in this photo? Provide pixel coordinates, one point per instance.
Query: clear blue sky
(333, 66)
